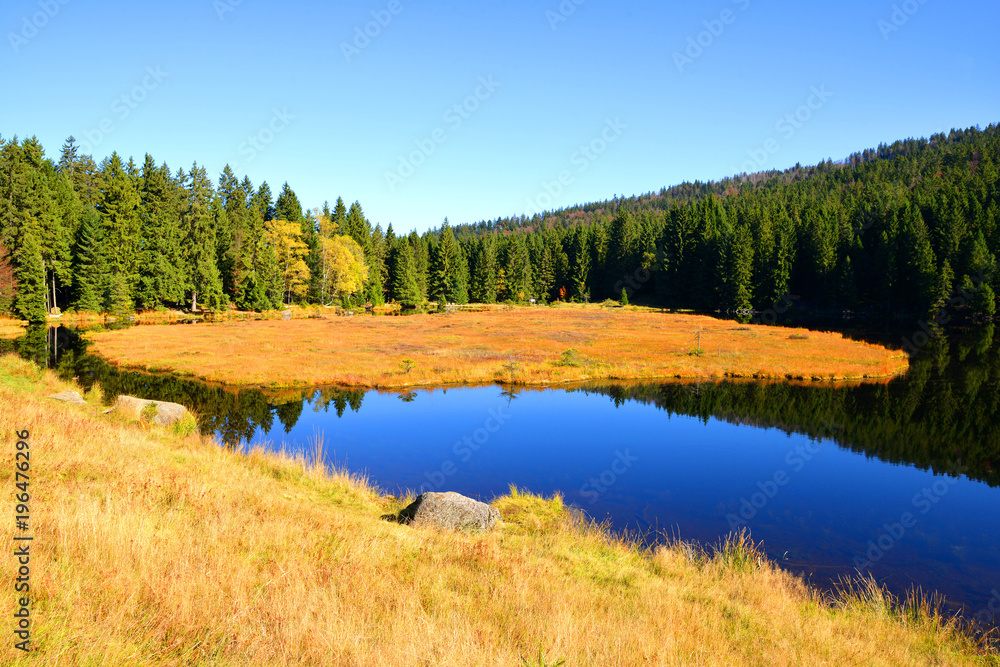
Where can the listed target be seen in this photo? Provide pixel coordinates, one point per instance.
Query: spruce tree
(404, 287)
(579, 262)
(89, 271)
(204, 282)
(483, 284)
(122, 232)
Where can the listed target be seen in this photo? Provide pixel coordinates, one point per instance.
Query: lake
(897, 479)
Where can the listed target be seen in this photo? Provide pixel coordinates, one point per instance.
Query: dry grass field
(154, 548)
(529, 345)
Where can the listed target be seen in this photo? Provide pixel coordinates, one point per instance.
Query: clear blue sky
(334, 124)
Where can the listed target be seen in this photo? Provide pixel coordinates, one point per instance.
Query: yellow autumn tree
(344, 268)
(291, 252)
(341, 266)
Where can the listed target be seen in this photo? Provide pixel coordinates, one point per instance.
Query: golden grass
(151, 548)
(529, 345)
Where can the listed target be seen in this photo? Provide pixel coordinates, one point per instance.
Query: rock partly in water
(166, 414)
(451, 511)
(68, 397)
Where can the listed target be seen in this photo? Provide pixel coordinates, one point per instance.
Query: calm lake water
(899, 480)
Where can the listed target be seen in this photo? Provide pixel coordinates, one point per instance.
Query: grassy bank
(152, 548)
(528, 345)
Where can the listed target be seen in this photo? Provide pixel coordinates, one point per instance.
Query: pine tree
(483, 285)
(262, 202)
(88, 264)
(404, 287)
(161, 268)
(447, 266)
(204, 283)
(518, 270)
(287, 207)
(122, 232)
(579, 262)
(738, 270)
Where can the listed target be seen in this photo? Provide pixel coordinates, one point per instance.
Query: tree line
(911, 227)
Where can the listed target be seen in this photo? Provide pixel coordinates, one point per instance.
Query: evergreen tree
(404, 287)
(579, 262)
(204, 283)
(120, 217)
(161, 267)
(288, 207)
(483, 284)
(88, 264)
(447, 268)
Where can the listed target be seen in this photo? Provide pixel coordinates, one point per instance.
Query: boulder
(68, 397)
(167, 414)
(451, 511)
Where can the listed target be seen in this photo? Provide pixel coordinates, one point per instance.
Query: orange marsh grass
(151, 548)
(529, 345)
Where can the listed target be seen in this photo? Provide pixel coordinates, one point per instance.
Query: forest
(911, 228)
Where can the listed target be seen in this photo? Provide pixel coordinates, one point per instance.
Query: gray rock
(451, 511)
(167, 414)
(69, 397)
(286, 315)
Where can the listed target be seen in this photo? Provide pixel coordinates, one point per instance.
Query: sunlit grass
(155, 548)
(528, 345)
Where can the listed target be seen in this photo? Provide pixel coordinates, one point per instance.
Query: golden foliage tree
(291, 251)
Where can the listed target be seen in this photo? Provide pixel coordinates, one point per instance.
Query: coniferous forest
(907, 228)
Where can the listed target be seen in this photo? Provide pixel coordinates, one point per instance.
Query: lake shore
(178, 551)
(532, 346)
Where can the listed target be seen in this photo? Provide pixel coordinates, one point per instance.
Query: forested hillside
(907, 228)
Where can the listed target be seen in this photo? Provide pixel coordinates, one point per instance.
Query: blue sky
(556, 103)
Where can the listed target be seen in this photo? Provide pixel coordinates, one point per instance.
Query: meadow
(154, 546)
(526, 345)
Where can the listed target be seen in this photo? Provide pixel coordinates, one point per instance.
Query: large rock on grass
(451, 511)
(157, 412)
(68, 397)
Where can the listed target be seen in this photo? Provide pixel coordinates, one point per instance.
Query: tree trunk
(54, 305)
(194, 300)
